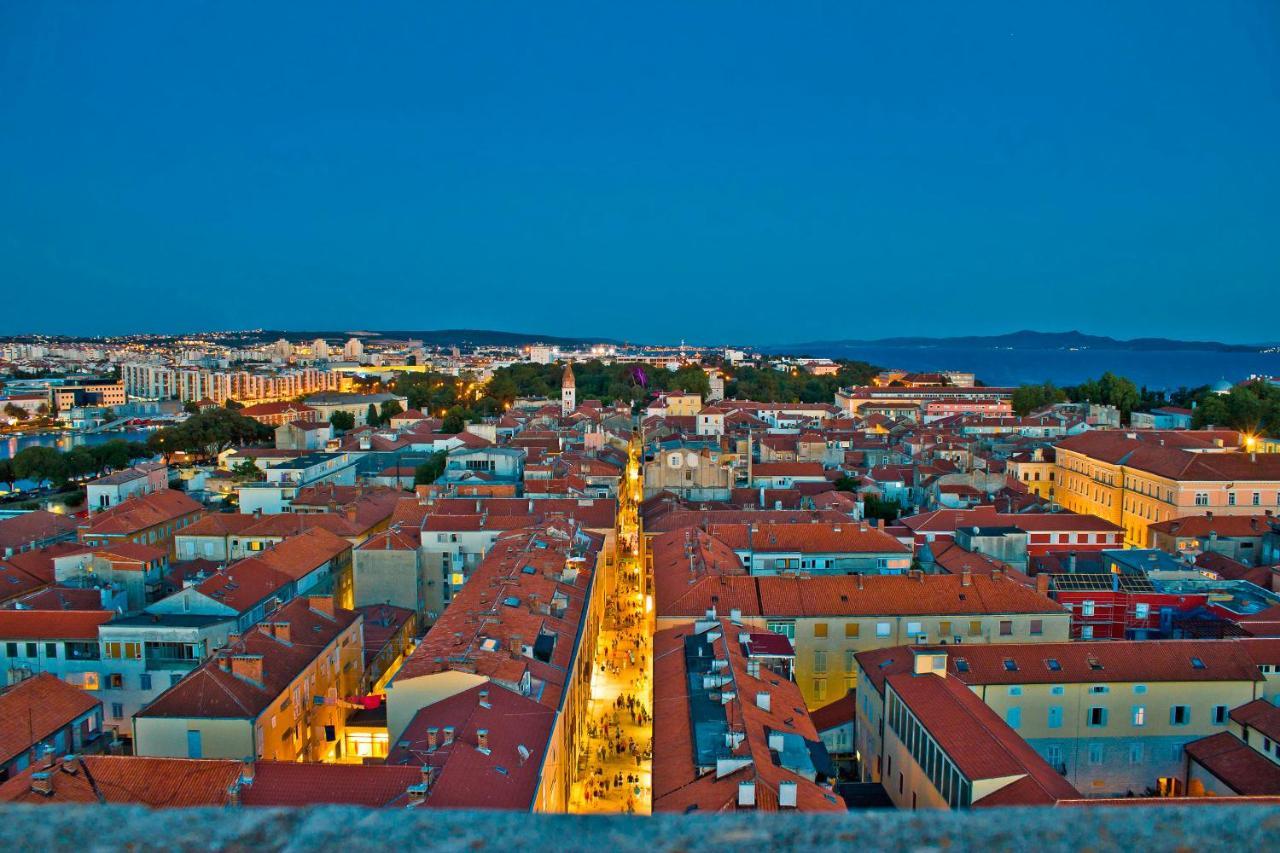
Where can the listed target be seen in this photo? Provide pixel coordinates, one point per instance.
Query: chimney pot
(482, 739)
(42, 783)
(433, 737)
(448, 735)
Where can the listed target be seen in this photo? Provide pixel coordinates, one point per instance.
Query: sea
(11, 444)
(64, 441)
(1155, 369)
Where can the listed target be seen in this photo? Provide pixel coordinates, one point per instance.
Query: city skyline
(566, 163)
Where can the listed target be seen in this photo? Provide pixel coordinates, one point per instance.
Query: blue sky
(753, 172)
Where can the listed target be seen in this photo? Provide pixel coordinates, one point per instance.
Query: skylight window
(962, 665)
(1054, 665)
(1197, 663)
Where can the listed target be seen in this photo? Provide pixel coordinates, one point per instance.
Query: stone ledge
(92, 828)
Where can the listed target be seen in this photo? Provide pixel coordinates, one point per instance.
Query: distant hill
(1030, 340)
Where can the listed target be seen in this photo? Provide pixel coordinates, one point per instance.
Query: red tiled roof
(33, 710)
(1227, 526)
(677, 784)
(787, 469)
(509, 598)
(1237, 765)
(1261, 716)
(121, 779)
(1080, 662)
(291, 784)
(947, 520)
(210, 691)
(39, 563)
(300, 555)
(52, 625)
(843, 537)
(466, 777)
(19, 531)
(981, 745)
(140, 513)
(1140, 450)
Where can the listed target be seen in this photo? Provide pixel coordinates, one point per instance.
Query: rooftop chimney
(280, 630)
(433, 737)
(42, 783)
(763, 700)
(484, 699)
(428, 775)
(321, 604)
(1042, 583)
(248, 667)
(448, 735)
(482, 740)
(966, 578)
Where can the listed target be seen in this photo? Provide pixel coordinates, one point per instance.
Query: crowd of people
(619, 727)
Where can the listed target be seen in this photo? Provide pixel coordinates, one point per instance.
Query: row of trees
(769, 385)
(635, 384)
(40, 463)
(1107, 390)
(1253, 407)
(206, 434)
(20, 414)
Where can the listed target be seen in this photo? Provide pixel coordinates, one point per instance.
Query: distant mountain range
(1029, 340)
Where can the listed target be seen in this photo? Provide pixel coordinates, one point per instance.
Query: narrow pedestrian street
(617, 773)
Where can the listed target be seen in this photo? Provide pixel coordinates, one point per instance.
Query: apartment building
(271, 693)
(846, 547)
(45, 713)
(59, 642)
(1111, 718)
(1134, 479)
(146, 519)
(142, 656)
(729, 732)
(831, 618)
(519, 627)
(118, 486)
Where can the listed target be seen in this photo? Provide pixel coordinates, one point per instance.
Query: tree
(342, 421)
(7, 476)
(16, 412)
(80, 461)
(454, 422)
(390, 409)
(112, 455)
(1027, 398)
(247, 472)
(208, 433)
(874, 507)
(39, 463)
(1108, 390)
(845, 483)
(431, 470)
(371, 416)
(190, 407)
